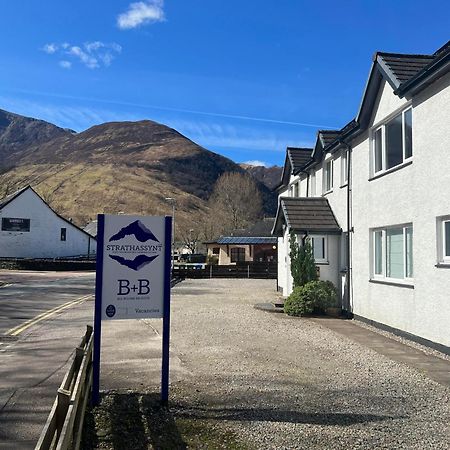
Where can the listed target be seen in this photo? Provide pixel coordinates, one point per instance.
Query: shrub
(303, 267)
(298, 303)
(315, 295)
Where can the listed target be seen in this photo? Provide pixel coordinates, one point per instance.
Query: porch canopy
(305, 215)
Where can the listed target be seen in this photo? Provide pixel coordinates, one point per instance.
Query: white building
(385, 177)
(29, 228)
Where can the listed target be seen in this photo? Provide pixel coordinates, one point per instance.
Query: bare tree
(235, 201)
(189, 235)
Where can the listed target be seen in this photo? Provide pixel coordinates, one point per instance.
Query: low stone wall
(46, 264)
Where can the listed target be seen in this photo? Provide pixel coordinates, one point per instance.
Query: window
(216, 250)
(313, 184)
(393, 252)
(328, 176)
(63, 234)
(319, 246)
(392, 142)
(237, 254)
(344, 168)
(444, 240)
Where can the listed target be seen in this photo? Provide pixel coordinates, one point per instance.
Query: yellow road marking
(45, 315)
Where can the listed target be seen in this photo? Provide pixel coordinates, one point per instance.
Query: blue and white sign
(133, 267)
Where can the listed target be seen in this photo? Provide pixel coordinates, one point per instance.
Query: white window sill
(321, 263)
(377, 175)
(443, 265)
(327, 192)
(344, 185)
(393, 282)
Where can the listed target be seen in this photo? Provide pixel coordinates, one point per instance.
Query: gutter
(437, 67)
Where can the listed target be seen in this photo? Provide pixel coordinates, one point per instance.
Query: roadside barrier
(64, 425)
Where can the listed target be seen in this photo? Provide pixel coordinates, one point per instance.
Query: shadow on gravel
(272, 415)
(137, 421)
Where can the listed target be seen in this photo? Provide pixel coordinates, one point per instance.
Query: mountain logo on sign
(136, 228)
(137, 263)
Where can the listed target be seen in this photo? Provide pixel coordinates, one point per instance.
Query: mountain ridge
(114, 167)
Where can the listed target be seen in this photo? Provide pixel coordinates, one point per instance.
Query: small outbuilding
(255, 244)
(30, 228)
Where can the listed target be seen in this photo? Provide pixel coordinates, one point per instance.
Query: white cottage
(29, 228)
(385, 178)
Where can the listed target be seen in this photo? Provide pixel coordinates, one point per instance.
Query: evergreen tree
(303, 267)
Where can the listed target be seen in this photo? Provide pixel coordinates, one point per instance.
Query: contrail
(180, 110)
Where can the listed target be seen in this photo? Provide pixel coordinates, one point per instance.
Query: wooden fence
(240, 270)
(64, 425)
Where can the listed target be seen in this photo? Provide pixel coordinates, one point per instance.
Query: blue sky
(242, 78)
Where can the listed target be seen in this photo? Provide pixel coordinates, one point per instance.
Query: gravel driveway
(282, 383)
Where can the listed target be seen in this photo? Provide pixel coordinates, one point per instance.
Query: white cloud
(255, 162)
(65, 64)
(141, 13)
(50, 48)
(92, 54)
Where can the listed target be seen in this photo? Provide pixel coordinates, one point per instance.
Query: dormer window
(328, 176)
(392, 142)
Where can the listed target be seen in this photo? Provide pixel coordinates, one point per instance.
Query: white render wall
(44, 238)
(417, 194)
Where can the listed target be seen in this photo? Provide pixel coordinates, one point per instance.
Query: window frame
(406, 279)
(328, 168)
(344, 168)
(443, 258)
(323, 260)
(382, 127)
(313, 184)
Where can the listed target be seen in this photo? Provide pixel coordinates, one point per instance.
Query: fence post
(61, 410)
(248, 270)
(210, 271)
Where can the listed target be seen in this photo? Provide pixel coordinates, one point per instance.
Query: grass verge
(137, 421)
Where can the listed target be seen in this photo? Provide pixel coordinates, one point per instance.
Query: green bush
(298, 303)
(315, 295)
(303, 266)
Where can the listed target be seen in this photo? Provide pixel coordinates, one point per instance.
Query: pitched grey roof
(403, 67)
(305, 214)
(328, 136)
(298, 157)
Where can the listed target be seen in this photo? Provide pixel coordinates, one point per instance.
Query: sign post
(133, 280)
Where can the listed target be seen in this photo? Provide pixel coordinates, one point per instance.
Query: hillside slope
(269, 176)
(19, 133)
(120, 166)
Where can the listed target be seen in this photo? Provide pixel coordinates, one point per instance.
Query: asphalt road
(42, 319)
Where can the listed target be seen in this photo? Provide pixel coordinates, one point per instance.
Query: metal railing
(64, 425)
